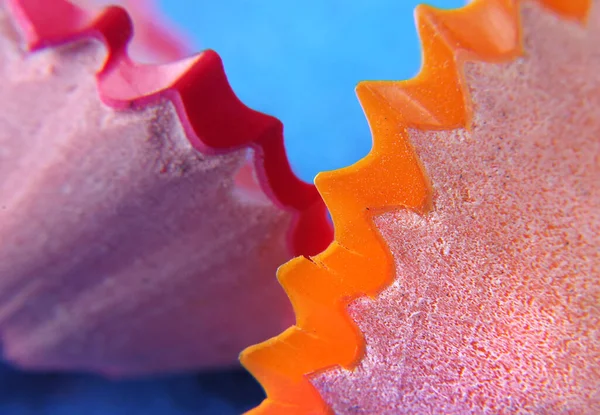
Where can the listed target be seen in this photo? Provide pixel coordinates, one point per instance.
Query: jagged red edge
(215, 120)
(151, 30)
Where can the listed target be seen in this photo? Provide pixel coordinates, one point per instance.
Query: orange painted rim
(358, 262)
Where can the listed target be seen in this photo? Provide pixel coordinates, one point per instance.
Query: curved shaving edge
(358, 263)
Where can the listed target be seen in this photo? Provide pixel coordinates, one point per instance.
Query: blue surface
(222, 393)
(299, 61)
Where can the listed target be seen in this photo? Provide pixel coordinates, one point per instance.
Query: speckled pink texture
(496, 304)
(123, 250)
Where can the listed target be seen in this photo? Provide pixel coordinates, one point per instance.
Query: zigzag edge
(164, 38)
(214, 119)
(358, 262)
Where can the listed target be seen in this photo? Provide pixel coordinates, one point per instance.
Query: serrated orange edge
(358, 262)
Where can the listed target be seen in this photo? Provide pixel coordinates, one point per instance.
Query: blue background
(299, 61)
